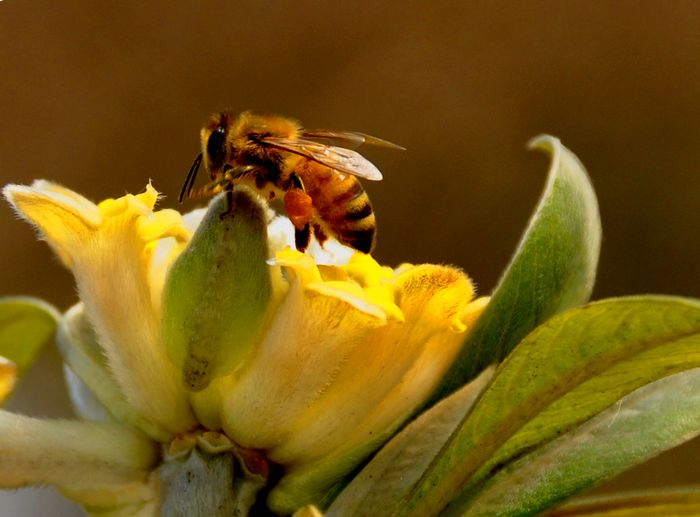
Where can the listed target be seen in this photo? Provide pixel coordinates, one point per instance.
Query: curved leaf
(569, 369)
(654, 418)
(26, 325)
(553, 268)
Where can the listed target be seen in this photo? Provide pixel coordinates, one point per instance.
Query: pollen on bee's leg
(298, 207)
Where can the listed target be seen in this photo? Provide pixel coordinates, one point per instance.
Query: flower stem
(204, 485)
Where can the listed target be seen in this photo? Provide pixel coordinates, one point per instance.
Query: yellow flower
(211, 332)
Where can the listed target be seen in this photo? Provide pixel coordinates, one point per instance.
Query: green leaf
(652, 419)
(218, 291)
(553, 268)
(26, 325)
(569, 369)
(675, 501)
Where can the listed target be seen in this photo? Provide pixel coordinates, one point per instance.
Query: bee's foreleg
(209, 189)
(229, 202)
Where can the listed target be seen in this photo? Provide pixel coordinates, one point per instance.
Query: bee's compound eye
(215, 144)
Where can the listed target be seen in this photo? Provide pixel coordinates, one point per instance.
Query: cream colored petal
(85, 403)
(80, 203)
(71, 455)
(164, 250)
(299, 358)
(64, 218)
(281, 235)
(113, 499)
(8, 375)
(105, 247)
(135, 499)
(113, 285)
(81, 351)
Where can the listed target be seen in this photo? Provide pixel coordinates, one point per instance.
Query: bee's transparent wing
(351, 139)
(338, 158)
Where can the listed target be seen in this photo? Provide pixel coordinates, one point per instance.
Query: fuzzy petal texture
(109, 248)
(304, 396)
(71, 455)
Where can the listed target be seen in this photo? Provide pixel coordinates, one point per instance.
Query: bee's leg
(209, 189)
(299, 208)
(320, 235)
(302, 238)
(229, 202)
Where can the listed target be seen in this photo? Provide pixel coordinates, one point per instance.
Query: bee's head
(216, 143)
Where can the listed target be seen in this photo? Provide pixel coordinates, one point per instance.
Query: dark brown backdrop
(102, 96)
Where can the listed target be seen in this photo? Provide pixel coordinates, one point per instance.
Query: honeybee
(277, 158)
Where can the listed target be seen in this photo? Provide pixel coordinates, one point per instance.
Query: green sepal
(552, 269)
(217, 292)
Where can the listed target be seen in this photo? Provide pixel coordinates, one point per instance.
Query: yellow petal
(308, 511)
(304, 348)
(125, 500)
(402, 362)
(166, 250)
(64, 218)
(362, 283)
(8, 375)
(109, 248)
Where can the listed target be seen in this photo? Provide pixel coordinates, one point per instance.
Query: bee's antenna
(191, 175)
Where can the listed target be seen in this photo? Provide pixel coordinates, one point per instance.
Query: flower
(210, 332)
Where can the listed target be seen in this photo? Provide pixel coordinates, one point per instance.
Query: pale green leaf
(26, 325)
(552, 269)
(570, 368)
(650, 420)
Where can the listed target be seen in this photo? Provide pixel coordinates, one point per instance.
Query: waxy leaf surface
(569, 369)
(552, 269)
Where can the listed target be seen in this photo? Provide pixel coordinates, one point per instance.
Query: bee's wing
(350, 139)
(338, 158)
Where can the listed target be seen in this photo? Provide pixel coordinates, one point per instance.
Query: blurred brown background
(102, 96)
